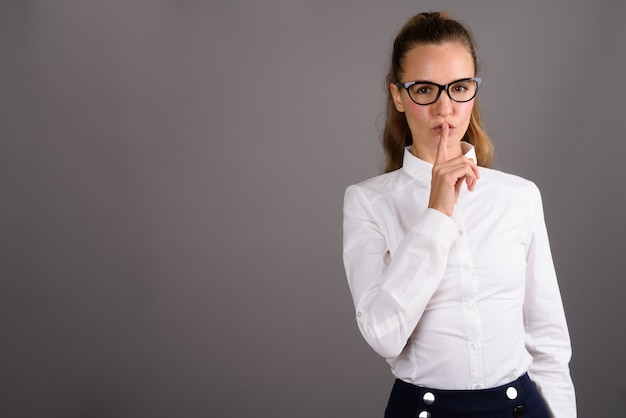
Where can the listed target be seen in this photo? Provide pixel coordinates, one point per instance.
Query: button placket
(469, 292)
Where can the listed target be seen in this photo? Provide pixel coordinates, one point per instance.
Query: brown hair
(428, 28)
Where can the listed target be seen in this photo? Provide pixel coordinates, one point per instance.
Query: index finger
(442, 149)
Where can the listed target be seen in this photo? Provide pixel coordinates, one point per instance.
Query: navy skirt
(514, 400)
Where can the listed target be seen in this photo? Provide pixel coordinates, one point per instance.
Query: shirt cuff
(438, 227)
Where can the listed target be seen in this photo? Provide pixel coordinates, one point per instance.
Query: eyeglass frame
(445, 87)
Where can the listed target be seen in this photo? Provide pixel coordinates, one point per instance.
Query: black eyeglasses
(426, 92)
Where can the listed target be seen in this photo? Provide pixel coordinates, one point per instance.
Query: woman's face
(441, 64)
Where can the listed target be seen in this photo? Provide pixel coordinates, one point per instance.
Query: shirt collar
(421, 169)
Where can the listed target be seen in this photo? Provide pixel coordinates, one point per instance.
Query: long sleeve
(547, 336)
(391, 291)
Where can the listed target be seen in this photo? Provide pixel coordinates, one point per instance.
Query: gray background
(172, 175)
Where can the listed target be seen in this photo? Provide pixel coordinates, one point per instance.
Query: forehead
(440, 63)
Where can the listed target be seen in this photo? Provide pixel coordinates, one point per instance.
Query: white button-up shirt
(463, 302)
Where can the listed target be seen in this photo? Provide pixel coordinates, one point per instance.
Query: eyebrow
(432, 82)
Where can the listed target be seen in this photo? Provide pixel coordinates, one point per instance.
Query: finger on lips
(467, 166)
(442, 149)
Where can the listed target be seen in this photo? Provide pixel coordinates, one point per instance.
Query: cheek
(417, 112)
(465, 110)
(463, 115)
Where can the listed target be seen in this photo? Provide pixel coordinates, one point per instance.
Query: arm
(547, 336)
(390, 293)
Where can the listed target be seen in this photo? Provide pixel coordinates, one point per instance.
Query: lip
(439, 128)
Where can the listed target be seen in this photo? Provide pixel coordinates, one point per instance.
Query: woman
(448, 261)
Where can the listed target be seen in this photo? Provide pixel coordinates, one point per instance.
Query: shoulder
(510, 183)
(381, 186)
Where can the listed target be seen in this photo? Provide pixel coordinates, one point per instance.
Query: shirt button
(475, 345)
(470, 304)
(358, 314)
(478, 387)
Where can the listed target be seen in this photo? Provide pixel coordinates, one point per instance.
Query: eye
(460, 87)
(422, 89)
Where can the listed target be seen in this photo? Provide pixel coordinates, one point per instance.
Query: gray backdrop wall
(172, 175)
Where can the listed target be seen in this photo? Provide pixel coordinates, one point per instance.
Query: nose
(443, 106)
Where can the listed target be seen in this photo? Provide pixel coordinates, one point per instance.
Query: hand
(449, 176)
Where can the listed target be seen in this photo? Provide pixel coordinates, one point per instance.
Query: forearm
(391, 291)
